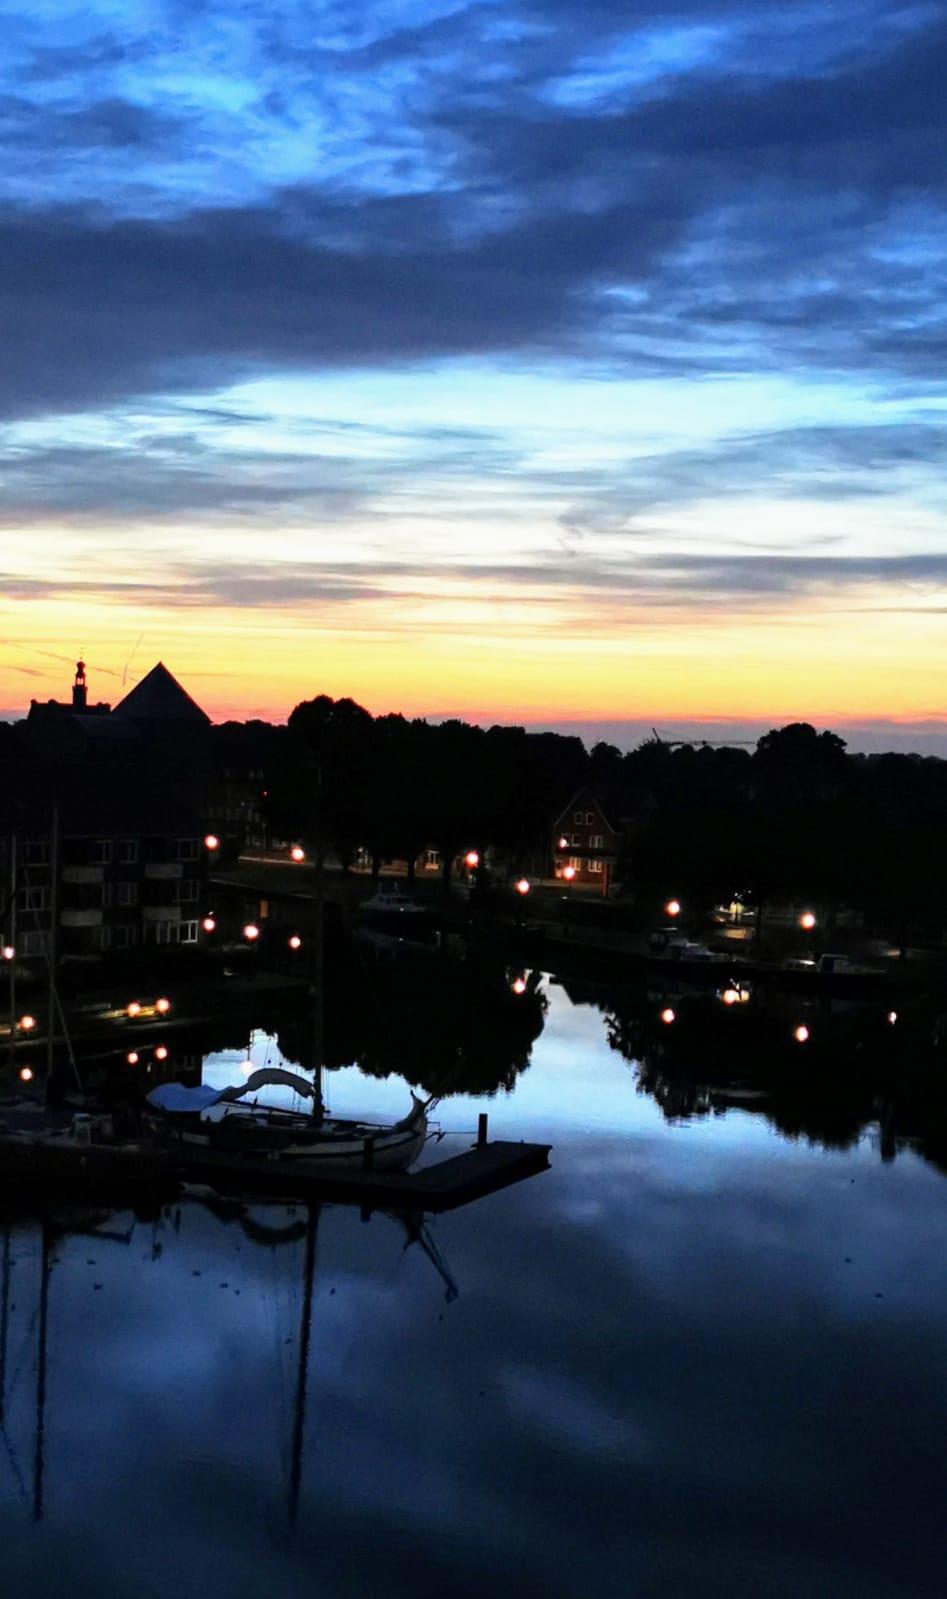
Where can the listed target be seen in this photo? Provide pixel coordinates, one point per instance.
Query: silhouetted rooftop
(159, 697)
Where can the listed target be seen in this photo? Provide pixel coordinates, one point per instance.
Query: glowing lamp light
(208, 924)
(807, 920)
(519, 985)
(568, 873)
(161, 1053)
(251, 932)
(563, 842)
(162, 1006)
(132, 1057)
(730, 996)
(211, 841)
(892, 1017)
(295, 942)
(471, 859)
(668, 1016)
(8, 952)
(801, 1033)
(522, 885)
(26, 1024)
(673, 907)
(297, 853)
(134, 1009)
(26, 1074)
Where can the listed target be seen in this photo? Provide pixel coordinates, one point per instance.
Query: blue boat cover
(175, 1097)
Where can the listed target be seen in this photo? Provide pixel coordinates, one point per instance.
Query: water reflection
(699, 1358)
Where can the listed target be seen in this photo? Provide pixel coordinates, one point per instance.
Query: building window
(123, 935)
(577, 862)
(35, 854)
(128, 851)
(576, 839)
(127, 893)
(596, 841)
(579, 816)
(185, 849)
(432, 859)
(34, 899)
(102, 851)
(187, 890)
(31, 943)
(594, 866)
(589, 818)
(171, 932)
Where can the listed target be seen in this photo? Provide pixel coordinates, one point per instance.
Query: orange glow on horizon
(556, 662)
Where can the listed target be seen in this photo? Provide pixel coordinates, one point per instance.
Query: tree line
(798, 817)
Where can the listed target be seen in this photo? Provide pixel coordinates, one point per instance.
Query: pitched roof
(159, 697)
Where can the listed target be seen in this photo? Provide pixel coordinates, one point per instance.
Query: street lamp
(807, 921)
(471, 859)
(295, 942)
(801, 1033)
(297, 853)
(522, 885)
(161, 1053)
(134, 1009)
(519, 985)
(673, 907)
(211, 842)
(132, 1057)
(26, 1074)
(251, 932)
(568, 873)
(8, 952)
(208, 924)
(668, 1016)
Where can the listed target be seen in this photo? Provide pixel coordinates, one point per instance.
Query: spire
(79, 688)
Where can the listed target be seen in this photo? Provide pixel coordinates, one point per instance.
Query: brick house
(585, 839)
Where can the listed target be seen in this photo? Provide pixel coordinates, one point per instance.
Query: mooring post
(482, 1130)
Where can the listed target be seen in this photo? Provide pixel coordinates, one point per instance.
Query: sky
(559, 362)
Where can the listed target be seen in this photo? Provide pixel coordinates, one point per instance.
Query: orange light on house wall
(668, 1016)
(161, 1053)
(133, 1009)
(26, 1074)
(673, 907)
(208, 924)
(295, 942)
(801, 1033)
(568, 873)
(251, 932)
(471, 859)
(807, 920)
(522, 885)
(297, 853)
(162, 1006)
(563, 841)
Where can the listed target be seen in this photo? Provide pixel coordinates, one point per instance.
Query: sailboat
(221, 1119)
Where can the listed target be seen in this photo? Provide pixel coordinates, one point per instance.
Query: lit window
(594, 866)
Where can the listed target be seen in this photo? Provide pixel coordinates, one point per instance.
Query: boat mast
(51, 951)
(302, 1379)
(12, 931)
(40, 1454)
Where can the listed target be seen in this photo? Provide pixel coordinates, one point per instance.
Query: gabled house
(591, 835)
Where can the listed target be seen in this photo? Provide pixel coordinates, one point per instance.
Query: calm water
(690, 1359)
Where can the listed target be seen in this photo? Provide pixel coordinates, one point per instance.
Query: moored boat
(219, 1119)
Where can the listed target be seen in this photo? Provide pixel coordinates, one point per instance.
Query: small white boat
(391, 900)
(218, 1119)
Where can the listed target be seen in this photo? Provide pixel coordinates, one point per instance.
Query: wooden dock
(46, 1166)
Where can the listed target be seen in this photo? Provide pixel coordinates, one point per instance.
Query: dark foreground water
(691, 1359)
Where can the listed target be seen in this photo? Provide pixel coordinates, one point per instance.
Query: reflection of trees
(854, 1073)
(446, 1026)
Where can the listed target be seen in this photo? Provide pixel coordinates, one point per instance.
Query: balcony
(164, 871)
(83, 874)
(81, 918)
(161, 913)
